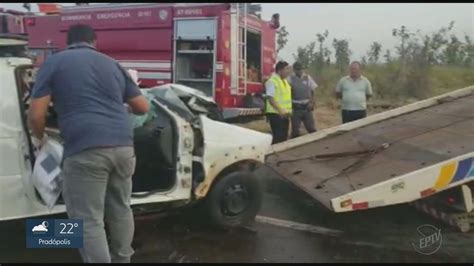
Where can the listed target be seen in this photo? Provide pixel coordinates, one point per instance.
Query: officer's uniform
(302, 93)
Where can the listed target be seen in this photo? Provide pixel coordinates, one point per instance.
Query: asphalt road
(378, 235)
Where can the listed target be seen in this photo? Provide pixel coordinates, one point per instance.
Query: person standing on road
(89, 90)
(302, 88)
(278, 106)
(354, 90)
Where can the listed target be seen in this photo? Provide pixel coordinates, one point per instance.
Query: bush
(393, 84)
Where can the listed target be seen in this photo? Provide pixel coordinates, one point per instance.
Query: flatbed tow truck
(420, 154)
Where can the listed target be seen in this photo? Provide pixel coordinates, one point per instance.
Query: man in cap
(302, 88)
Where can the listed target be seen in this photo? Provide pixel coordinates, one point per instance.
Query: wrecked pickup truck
(183, 156)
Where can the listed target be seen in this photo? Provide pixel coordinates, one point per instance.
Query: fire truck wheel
(234, 200)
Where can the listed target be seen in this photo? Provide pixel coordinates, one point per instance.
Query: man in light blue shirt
(354, 90)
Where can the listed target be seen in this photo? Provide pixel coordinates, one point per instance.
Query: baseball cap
(297, 66)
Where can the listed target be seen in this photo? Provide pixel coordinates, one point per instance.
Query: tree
(282, 38)
(454, 53)
(388, 56)
(306, 56)
(407, 43)
(418, 52)
(374, 52)
(469, 52)
(434, 42)
(419, 48)
(404, 35)
(324, 53)
(342, 53)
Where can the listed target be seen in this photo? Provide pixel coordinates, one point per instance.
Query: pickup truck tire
(234, 200)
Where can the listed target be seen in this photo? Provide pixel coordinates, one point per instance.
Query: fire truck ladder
(242, 45)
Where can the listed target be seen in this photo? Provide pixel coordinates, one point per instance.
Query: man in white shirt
(354, 90)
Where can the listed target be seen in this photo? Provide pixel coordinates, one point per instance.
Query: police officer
(302, 88)
(278, 103)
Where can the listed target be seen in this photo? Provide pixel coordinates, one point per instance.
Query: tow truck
(421, 154)
(222, 49)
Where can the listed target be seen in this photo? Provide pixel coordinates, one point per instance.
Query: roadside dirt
(326, 115)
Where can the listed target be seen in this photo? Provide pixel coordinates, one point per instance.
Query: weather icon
(42, 228)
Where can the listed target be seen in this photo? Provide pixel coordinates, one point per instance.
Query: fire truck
(221, 49)
(11, 22)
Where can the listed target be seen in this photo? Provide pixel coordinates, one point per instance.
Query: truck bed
(417, 139)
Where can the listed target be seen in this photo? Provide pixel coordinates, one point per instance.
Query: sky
(360, 23)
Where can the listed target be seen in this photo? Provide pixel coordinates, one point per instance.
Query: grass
(326, 115)
(390, 91)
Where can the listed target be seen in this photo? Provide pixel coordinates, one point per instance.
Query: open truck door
(195, 53)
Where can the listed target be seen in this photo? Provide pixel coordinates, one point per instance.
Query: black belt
(300, 105)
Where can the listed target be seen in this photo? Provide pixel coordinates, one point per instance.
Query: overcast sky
(361, 24)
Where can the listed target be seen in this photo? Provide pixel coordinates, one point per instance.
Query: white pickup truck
(182, 155)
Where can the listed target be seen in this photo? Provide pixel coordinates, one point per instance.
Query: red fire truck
(221, 49)
(11, 22)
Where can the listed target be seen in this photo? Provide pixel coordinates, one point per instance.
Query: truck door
(195, 54)
(268, 52)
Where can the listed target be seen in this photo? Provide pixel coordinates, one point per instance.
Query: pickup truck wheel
(234, 200)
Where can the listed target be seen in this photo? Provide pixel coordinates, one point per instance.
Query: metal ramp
(417, 140)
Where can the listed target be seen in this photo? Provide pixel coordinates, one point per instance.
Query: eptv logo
(430, 240)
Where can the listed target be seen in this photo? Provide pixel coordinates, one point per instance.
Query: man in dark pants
(278, 105)
(354, 90)
(89, 90)
(302, 95)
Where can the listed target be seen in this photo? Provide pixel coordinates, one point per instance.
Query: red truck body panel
(142, 37)
(11, 22)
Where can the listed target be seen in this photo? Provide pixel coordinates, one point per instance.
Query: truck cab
(182, 155)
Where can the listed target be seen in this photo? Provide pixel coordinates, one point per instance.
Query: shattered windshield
(168, 98)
